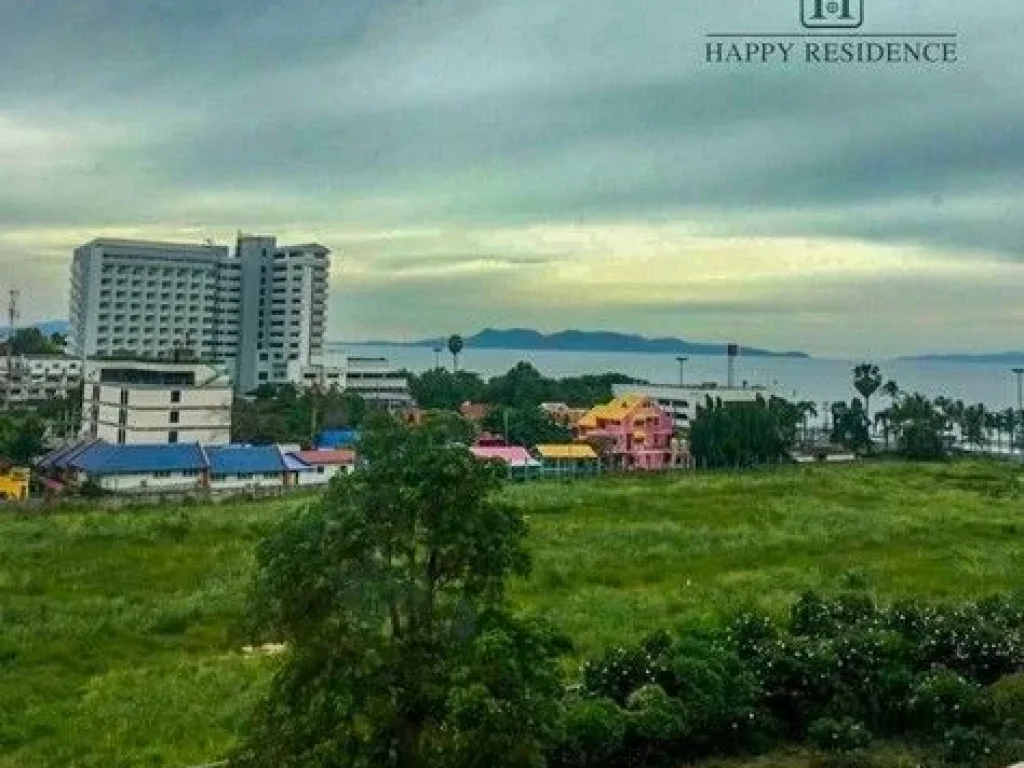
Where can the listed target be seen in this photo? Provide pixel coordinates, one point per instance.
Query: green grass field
(118, 642)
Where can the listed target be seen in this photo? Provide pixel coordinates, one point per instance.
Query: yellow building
(13, 482)
(568, 460)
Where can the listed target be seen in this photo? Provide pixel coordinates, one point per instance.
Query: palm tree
(455, 345)
(891, 390)
(866, 380)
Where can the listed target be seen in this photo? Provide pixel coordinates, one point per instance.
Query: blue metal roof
(337, 438)
(104, 459)
(244, 459)
(62, 457)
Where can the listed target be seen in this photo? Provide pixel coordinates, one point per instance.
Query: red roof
(512, 454)
(326, 458)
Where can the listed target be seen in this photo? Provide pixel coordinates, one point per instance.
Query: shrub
(943, 700)
(1007, 701)
(971, 748)
(621, 671)
(814, 616)
(657, 727)
(838, 736)
(592, 734)
(749, 630)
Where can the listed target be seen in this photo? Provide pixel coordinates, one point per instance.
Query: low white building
(149, 402)
(681, 402)
(245, 467)
(33, 379)
(372, 378)
(318, 467)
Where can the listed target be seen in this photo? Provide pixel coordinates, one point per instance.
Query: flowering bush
(839, 670)
(943, 700)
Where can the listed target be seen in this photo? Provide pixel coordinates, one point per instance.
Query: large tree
(21, 436)
(743, 434)
(32, 341)
(390, 594)
(527, 426)
(441, 389)
(920, 426)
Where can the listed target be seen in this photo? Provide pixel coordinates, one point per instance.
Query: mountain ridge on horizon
(585, 341)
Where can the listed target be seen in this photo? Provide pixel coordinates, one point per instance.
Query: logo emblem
(832, 14)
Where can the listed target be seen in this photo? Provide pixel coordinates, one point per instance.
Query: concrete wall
(235, 482)
(151, 482)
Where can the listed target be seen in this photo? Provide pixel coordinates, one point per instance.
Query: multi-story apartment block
(258, 307)
(32, 379)
(372, 378)
(156, 402)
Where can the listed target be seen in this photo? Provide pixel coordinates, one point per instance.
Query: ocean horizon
(817, 379)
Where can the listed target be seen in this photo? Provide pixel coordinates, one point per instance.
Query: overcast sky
(544, 163)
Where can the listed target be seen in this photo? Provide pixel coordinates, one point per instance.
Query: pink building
(633, 433)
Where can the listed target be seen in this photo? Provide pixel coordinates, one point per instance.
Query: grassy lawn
(117, 630)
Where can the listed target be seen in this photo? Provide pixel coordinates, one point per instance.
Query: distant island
(1006, 358)
(587, 341)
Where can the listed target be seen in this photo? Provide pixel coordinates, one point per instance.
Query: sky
(534, 163)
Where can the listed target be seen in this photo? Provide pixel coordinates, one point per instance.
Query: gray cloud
(187, 118)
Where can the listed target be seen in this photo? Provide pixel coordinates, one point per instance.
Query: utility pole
(681, 361)
(437, 358)
(12, 316)
(1018, 372)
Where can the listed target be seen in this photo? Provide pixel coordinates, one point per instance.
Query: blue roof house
(246, 466)
(331, 439)
(126, 468)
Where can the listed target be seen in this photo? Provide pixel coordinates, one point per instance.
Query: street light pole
(681, 361)
(1018, 372)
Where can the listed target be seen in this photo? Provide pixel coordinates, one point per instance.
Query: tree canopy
(32, 341)
(21, 436)
(390, 593)
(284, 414)
(743, 434)
(520, 387)
(527, 426)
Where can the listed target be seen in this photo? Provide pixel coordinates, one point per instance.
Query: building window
(175, 396)
(161, 475)
(120, 437)
(172, 436)
(124, 397)
(243, 476)
(319, 470)
(95, 393)
(175, 417)
(122, 417)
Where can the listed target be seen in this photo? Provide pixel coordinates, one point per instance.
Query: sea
(819, 380)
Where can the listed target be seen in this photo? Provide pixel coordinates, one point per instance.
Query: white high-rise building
(259, 307)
